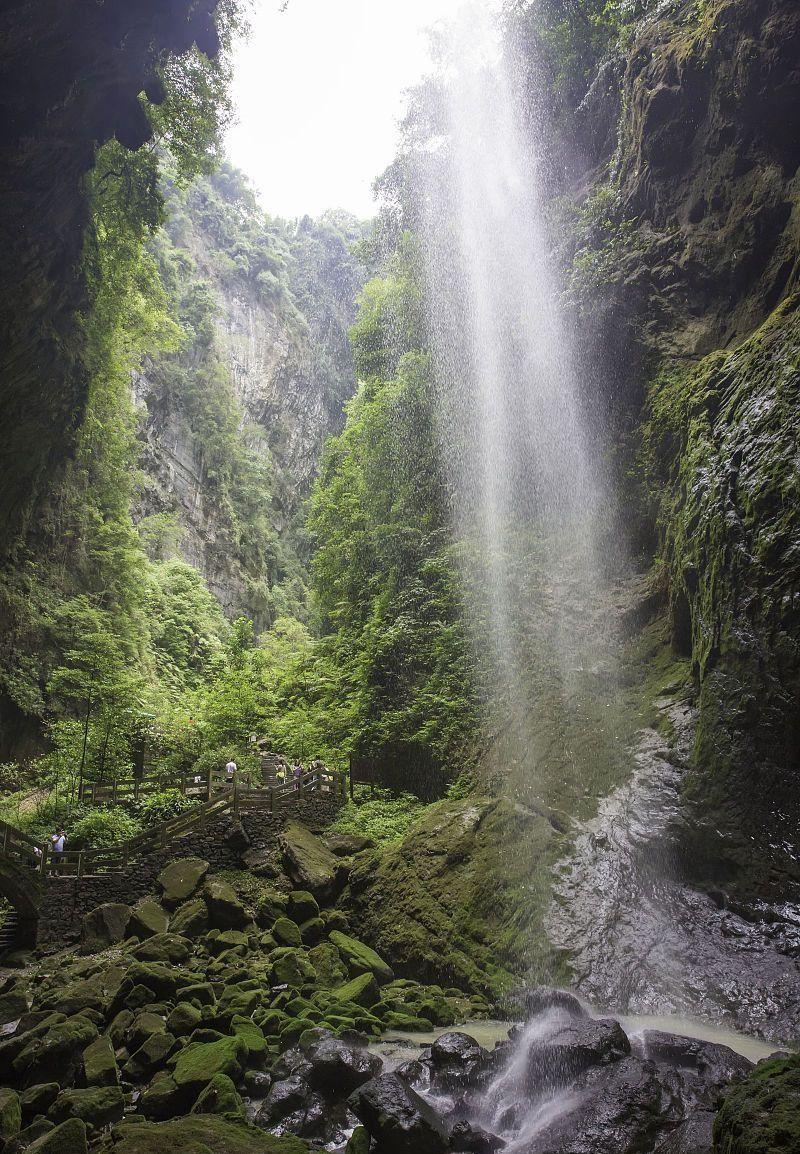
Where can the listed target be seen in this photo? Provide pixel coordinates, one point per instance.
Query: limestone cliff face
(269, 360)
(696, 312)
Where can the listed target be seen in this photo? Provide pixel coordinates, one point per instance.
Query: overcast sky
(318, 88)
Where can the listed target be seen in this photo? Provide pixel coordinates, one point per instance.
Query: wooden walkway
(222, 799)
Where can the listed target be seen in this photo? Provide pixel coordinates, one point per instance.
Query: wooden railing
(226, 799)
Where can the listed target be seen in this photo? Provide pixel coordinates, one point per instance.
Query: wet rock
(617, 1109)
(397, 1118)
(104, 926)
(705, 1068)
(561, 1054)
(338, 1067)
(285, 1097)
(543, 998)
(196, 1133)
(181, 879)
(473, 1140)
(693, 1136)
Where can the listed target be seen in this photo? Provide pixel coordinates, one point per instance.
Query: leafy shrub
(101, 826)
(161, 806)
(385, 818)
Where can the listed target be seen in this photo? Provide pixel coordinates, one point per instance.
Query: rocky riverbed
(210, 1020)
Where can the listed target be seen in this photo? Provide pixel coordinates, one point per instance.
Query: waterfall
(523, 467)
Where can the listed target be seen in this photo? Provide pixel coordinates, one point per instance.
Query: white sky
(318, 90)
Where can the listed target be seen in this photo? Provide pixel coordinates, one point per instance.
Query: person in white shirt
(230, 771)
(58, 840)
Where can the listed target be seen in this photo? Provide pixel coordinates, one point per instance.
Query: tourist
(230, 772)
(297, 773)
(58, 840)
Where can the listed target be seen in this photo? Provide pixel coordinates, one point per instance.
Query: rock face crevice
(70, 79)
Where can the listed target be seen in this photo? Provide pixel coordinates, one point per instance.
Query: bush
(97, 827)
(384, 818)
(161, 806)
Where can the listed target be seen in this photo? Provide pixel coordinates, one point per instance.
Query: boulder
(104, 926)
(190, 919)
(68, 1138)
(337, 1067)
(327, 963)
(38, 1099)
(13, 1004)
(470, 1139)
(151, 1056)
(302, 905)
(181, 879)
(142, 1027)
(397, 1118)
(287, 932)
(362, 991)
(100, 1064)
(252, 1036)
(761, 1114)
(309, 862)
(225, 909)
(236, 837)
(183, 1019)
(312, 931)
(285, 1097)
(706, 1068)
(170, 948)
(360, 958)
(540, 999)
(457, 1060)
(162, 1099)
(693, 1136)
(10, 1114)
(347, 844)
(220, 1097)
(560, 1055)
(358, 1142)
(161, 979)
(97, 1106)
(198, 1062)
(29, 1134)
(198, 1134)
(57, 1054)
(148, 917)
(291, 967)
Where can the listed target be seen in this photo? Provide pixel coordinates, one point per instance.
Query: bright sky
(318, 88)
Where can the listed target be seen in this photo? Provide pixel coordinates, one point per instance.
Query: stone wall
(224, 843)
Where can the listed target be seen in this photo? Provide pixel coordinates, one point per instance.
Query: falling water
(527, 493)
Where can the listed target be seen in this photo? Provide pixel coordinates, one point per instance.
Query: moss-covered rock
(226, 911)
(360, 958)
(38, 1099)
(13, 1004)
(10, 1113)
(361, 991)
(302, 905)
(100, 1064)
(287, 932)
(252, 1036)
(150, 1056)
(148, 917)
(220, 1097)
(190, 919)
(181, 879)
(57, 1054)
(172, 949)
(327, 963)
(162, 1099)
(97, 1106)
(199, 1062)
(183, 1018)
(200, 1134)
(291, 967)
(310, 863)
(68, 1138)
(104, 926)
(761, 1114)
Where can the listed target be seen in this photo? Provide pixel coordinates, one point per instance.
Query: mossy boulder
(147, 918)
(291, 967)
(104, 926)
(302, 906)
(181, 879)
(170, 948)
(761, 1114)
(68, 1138)
(199, 1062)
(142, 1027)
(287, 932)
(199, 993)
(97, 1106)
(162, 1099)
(151, 1056)
(360, 958)
(38, 1099)
(252, 1036)
(226, 910)
(183, 1019)
(10, 1114)
(310, 863)
(327, 963)
(100, 1064)
(190, 919)
(220, 1097)
(200, 1134)
(361, 991)
(163, 980)
(57, 1054)
(13, 1004)
(358, 1142)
